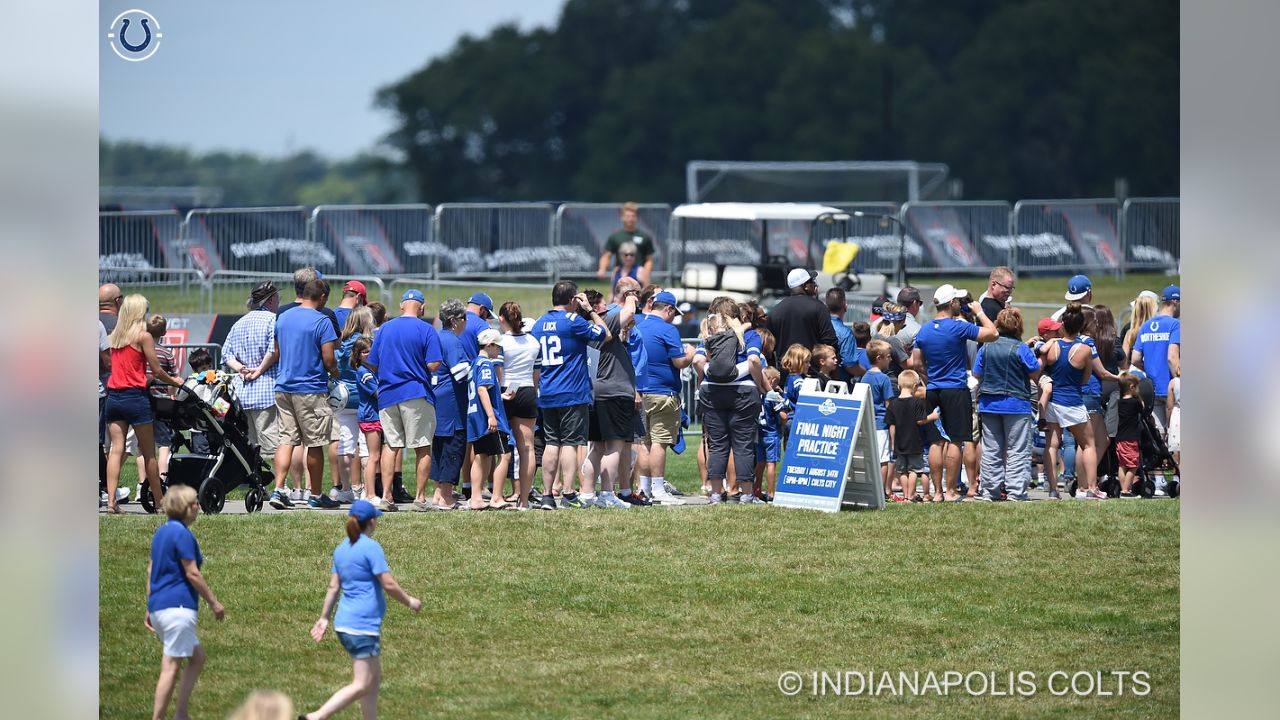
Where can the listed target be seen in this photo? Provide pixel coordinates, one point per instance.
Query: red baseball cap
(355, 286)
(1047, 325)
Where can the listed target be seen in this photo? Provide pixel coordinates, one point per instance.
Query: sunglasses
(1006, 287)
(628, 254)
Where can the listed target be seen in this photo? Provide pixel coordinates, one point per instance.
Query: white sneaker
(122, 494)
(611, 501)
(345, 496)
(750, 500)
(304, 495)
(296, 495)
(1083, 495)
(599, 501)
(714, 499)
(662, 497)
(671, 489)
(102, 499)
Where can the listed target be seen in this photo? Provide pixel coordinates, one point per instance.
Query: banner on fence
(832, 456)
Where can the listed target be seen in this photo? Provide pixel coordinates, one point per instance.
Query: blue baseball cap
(668, 298)
(1173, 292)
(415, 295)
(1078, 287)
(483, 300)
(363, 510)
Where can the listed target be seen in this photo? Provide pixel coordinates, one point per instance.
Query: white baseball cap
(489, 336)
(946, 293)
(799, 276)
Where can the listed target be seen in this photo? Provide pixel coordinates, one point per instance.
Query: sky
(277, 76)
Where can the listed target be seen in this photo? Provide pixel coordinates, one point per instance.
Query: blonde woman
(128, 405)
(1144, 308)
(174, 584)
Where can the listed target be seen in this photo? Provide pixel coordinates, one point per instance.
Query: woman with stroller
(128, 404)
(362, 576)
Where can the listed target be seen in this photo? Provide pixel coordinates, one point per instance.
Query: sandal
(114, 510)
(499, 506)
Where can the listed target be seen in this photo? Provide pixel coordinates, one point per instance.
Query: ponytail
(354, 529)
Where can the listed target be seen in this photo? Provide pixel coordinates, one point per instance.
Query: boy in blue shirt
(773, 413)
(488, 431)
(878, 353)
(564, 392)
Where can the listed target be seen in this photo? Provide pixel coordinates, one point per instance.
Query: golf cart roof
(754, 211)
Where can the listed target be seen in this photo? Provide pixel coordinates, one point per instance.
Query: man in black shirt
(999, 289)
(801, 317)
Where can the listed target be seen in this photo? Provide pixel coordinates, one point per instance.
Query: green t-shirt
(643, 243)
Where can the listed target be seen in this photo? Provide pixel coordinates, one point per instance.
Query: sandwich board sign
(832, 457)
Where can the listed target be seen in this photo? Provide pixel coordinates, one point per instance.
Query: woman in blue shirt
(1069, 361)
(1006, 369)
(361, 573)
(173, 584)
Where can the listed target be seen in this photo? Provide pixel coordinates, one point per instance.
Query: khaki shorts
(661, 419)
(304, 419)
(264, 430)
(411, 423)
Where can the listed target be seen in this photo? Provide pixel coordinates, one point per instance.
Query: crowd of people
(591, 391)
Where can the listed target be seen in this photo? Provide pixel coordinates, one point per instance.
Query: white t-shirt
(520, 354)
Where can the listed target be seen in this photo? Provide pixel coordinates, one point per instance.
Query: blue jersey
(346, 373)
(449, 383)
(793, 389)
(402, 349)
(751, 348)
(1066, 378)
(484, 377)
(470, 336)
(662, 345)
(1154, 339)
(367, 394)
(563, 340)
(881, 390)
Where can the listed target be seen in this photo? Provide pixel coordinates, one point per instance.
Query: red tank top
(128, 368)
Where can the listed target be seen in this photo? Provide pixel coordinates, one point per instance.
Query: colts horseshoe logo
(117, 35)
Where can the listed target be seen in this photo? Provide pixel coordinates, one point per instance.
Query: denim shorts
(131, 405)
(1092, 403)
(360, 646)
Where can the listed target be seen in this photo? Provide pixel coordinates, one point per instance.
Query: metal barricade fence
(130, 243)
(227, 290)
(1150, 233)
(585, 228)
(879, 238)
(381, 240)
(167, 290)
(511, 239)
(263, 240)
(1067, 236)
(959, 237)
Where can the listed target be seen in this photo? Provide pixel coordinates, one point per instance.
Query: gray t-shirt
(615, 377)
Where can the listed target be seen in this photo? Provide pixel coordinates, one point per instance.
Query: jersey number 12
(551, 350)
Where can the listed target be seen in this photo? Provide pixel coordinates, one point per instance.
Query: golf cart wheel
(253, 500)
(211, 495)
(1111, 487)
(1172, 488)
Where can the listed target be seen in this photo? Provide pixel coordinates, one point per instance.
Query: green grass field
(679, 612)
(1108, 290)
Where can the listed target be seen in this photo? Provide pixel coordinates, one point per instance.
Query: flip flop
(500, 506)
(114, 510)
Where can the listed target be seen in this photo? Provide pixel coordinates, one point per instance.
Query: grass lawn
(680, 612)
(1107, 290)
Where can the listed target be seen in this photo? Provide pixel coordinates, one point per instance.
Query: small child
(773, 411)
(1128, 432)
(367, 412)
(825, 362)
(200, 382)
(1174, 413)
(796, 363)
(905, 416)
(878, 354)
(487, 427)
(157, 325)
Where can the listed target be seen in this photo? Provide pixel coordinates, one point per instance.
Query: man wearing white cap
(941, 349)
(802, 318)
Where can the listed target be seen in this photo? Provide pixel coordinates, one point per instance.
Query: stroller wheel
(1172, 488)
(1072, 487)
(1111, 487)
(211, 495)
(253, 500)
(1146, 487)
(145, 498)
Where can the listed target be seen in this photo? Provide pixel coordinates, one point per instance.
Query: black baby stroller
(1154, 460)
(231, 459)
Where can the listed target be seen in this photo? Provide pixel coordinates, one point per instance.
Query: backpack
(722, 355)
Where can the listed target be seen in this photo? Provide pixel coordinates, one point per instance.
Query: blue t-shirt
(863, 359)
(299, 334)
(1153, 342)
(1005, 404)
(563, 339)
(635, 347)
(367, 394)
(346, 373)
(363, 602)
(943, 344)
(449, 384)
(793, 388)
(845, 342)
(173, 543)
(662, 345)
(401, 350)
(341, 314)
(483, 376)
(881, 390)
(471, 335)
